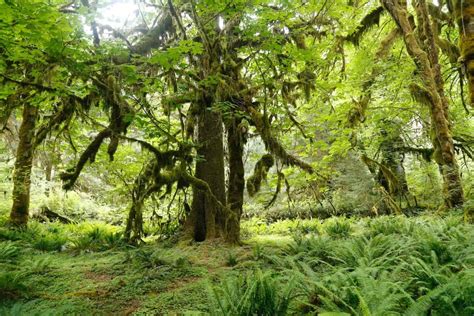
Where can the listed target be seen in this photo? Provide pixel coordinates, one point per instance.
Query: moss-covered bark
(235, 194)
(421, 48)
(142, 188)
(392, 158)
(206, 220)
(463, 11)
(23, 164)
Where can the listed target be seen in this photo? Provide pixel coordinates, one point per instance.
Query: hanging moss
(420, 94)
(271, 142)
(421, 47)
(369, 21)
(259, 173)
(463, 11)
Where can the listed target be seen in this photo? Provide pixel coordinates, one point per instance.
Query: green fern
(339, 228)
(256, 294)
(49, 242)
(8, 251)
(38, 266)
(12, 285)
(83, 243)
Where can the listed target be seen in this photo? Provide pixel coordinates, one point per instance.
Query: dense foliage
(321, 150)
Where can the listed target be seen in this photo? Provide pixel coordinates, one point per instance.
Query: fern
(8, 251)
(340, 228)
(256, 294)
(38, 266)
(49, 242)
(12, 284)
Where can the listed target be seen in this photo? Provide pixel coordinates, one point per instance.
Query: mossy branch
(88, 155)
(388, 174)
(259, 174)
(272, 144)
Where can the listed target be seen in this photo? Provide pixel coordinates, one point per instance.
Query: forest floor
(45, 272)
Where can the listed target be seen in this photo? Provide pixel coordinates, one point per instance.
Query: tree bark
(463, 11)
(23, 164)
(393, 160)
(235, 192)
(207, 219)
(143, 187)
(421, 48)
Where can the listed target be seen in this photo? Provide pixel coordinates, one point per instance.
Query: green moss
(429, 253)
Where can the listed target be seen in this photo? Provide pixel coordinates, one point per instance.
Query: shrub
(381, 252)
(386, 225)
(113, 240)
(312, 250)
(454, 297)
(16, 309)
(258, 252)
(96, 238)
(363, 291)
(145, 258)
(10, 234)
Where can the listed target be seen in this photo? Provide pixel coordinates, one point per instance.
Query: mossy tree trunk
(463, 11)
(421, 48)
(392, 158)
(143, 187)
(207, 219)
(235, 194)
(23, 164)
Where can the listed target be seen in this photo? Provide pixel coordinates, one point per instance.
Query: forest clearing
(237, 157)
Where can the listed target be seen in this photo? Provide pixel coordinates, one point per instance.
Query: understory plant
(257, 293)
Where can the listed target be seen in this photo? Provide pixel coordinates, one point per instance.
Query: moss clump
(259, 174)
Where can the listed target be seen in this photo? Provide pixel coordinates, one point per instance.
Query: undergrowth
(389, 265)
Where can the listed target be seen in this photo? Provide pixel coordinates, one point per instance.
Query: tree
(463, 13)
(36, 45)
(422, 49)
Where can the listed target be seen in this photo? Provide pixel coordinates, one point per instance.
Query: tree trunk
(421, 48)
(143, 187)
(207, 220)
(134, 227)
(463, 11)
(392, 158)
(235, 193)
(23, 165)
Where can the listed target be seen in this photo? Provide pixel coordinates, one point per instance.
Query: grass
(381, 266)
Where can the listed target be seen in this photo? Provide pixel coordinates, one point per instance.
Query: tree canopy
(231, 157)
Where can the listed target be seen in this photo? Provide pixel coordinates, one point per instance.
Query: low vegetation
(390, 265)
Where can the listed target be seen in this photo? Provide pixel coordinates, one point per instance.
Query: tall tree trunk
(463, 11)
(235, 192)
(23, 164)
(207, 219)
(421, 48)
